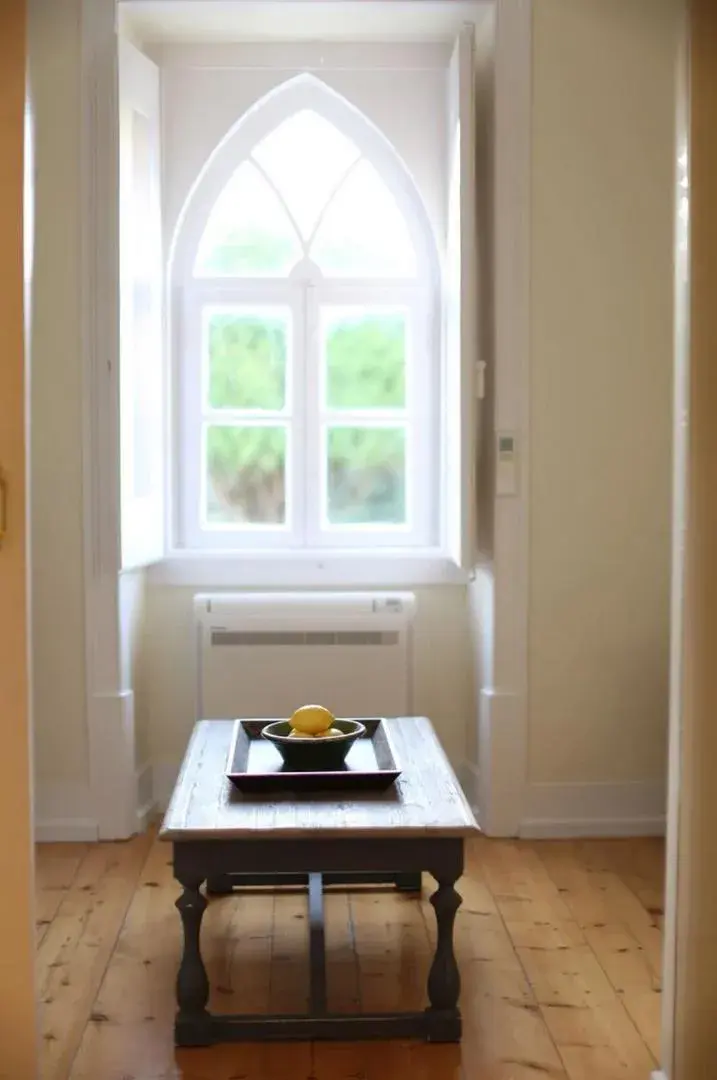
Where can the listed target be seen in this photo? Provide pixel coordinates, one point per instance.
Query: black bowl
(314, 755)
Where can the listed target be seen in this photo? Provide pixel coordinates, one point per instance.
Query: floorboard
(80, 943)
(559, 945)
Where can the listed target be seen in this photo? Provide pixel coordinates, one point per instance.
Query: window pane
(306, 157)
(247, 360)
(366, 476)
(246, 475)
(248, 232)
(363, 233)
(365, 357)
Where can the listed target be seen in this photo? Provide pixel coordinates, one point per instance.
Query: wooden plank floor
(559, 945)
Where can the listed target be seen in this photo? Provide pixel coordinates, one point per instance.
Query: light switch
(506, 469)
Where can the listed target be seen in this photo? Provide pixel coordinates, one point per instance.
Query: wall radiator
(264, 654)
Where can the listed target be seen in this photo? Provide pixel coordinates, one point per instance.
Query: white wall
(64, 804)
(601, 362)
(132, 621)
(58, 645)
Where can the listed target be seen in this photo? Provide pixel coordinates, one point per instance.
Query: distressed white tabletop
(426, 800)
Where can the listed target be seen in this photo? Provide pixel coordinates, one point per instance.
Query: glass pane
(306, 157)
(247, 359)
(365, 359)
(366, 476)
(363, 233)
(248, 232)
(246, 475)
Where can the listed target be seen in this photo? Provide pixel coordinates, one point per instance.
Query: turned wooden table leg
(444, 981)
(193, 1020)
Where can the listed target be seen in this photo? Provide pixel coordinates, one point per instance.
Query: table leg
(444, 981)
(317, 946)
(192, 1023)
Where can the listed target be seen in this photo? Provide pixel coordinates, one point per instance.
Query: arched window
(305, 284)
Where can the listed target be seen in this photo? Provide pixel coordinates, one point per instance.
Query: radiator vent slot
(262, 654)
(301, 637)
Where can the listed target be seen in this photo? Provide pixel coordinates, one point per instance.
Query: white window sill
(306, 569)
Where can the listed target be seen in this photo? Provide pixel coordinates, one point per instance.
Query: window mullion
(297, 420)
(313, 475)
(367, 417)
(246, 417)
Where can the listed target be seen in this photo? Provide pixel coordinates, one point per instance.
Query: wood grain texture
(54, 876)
(582, 1009)
(128, 1030)
(18, 1011)
(616, 902)
(426, 798)
(79, 942)
(543, 998)
(693, 941)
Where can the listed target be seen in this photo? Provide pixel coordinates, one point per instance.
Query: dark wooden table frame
(224, 864)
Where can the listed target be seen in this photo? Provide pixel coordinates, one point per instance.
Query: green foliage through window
(246, 467)
(251, 251)
(366, 475)
(247, 361)
(365, 361)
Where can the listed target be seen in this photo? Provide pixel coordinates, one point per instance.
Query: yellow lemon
(331, 733)
(312, 719)
(300, 735)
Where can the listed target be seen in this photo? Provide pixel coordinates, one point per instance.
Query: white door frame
(109, 704)
(503, 698)
(679, 738)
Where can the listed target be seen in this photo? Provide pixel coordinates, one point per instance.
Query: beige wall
(57, 539)
(443, 686)
(18, 1029)
(601, 360)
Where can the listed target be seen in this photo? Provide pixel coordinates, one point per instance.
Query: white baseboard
(112, 763)
(64, 812)
(501, 754)
(659, 1075)
(146, 803)
(468, 778)
(555, 811)
(66, 830)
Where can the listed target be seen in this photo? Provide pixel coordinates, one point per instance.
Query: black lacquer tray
(254, 766)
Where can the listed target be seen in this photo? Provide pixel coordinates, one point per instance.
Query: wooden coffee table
(228, 840)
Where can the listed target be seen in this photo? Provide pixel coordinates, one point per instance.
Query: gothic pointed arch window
(305, 274)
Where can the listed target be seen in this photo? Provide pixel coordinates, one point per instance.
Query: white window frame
(305, 291)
